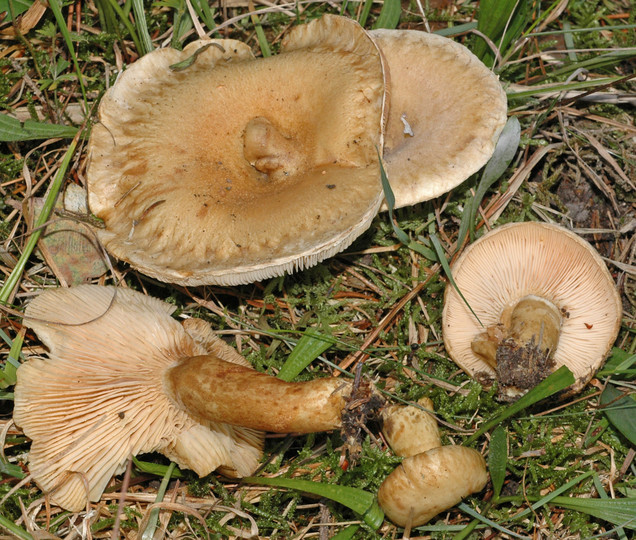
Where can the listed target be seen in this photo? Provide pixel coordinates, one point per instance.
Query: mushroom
(212, 166)
(123, 377)
(410, 430)
(542, 298)
(446, 113)
(432, 478)
(428, 483)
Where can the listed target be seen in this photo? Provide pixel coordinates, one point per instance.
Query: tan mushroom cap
(411, 430)
(529, 260)
(235, 169)
(99, 397)
(428, 483)
(454, 106)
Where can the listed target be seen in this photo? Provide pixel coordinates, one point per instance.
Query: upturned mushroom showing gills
(123, 377)
(212, 166)
(545, 299)
(447, 110)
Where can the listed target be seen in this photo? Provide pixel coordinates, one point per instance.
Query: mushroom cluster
(212, 166)
(541, 297)
(123, 377)
(432, 478)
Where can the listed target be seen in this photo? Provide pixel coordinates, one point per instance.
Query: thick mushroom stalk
(271, 152)
(521, 346)
(123, 377)
(211, 388)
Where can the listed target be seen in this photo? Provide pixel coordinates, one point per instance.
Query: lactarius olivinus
(212, 166)
(541, 297)
(428, 483)
(123, 377)
(410, 430)
(432, 478)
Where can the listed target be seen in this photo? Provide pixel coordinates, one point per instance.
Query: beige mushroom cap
(454, 106)
(426, 484)
(543, 260)
(104, 400)
(411, 430)
(235, 169)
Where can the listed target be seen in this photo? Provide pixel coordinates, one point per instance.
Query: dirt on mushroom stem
(520, 348)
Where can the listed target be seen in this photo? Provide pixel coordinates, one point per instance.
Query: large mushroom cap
(99, 398)
(229, 169)
(545, 265)
(447, 111)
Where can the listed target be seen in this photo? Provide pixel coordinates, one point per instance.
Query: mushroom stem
(269, 151)
(219, 391)
(520, 347)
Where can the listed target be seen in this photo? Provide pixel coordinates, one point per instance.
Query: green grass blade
(441, 257)
(620, 411)
(16, 531)
(550, 496)
(12, 130)
(13, 8)
(47, 208)
(401, 235)
(360, 501)
(464, 225)
(562, 87)
(498, 459)
(553, 383)
(142, 27)
(56, 8)
(347, 533)
(472, 513)
(366, 10)
(618, 363)
(9, 377)
(308, 348)
(505, 151)
(260, 36)
(502, 21)
(126, 22)
(389, 15)
(156, 469)
(10, 469)
(621, 512)
(456, 30)
(149, 531)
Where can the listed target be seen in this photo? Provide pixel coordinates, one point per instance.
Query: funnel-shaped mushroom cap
(229, 169)
(99, 397)
(538, 261)
(447, 111)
